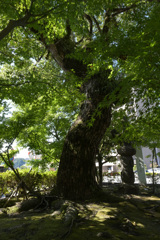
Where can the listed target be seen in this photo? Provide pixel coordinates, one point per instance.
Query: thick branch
(14, 23)
(89, 19)
(122, 10)
(24, 20)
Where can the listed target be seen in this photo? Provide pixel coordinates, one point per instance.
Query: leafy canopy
(122, 36)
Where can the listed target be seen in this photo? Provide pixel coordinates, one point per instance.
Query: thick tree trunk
(76, 174)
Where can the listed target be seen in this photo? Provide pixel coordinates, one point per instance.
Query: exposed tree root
(70, 217)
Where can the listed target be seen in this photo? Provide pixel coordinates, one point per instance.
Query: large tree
(96, 44)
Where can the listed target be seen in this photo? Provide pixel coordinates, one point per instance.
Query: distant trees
(18, 162)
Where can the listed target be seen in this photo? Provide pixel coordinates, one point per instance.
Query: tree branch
(14, 23)
(97, 24)
(89, 19)
(81, 40)
(68, 29)
(30, 8)
(122, 10)
(106, 21)
(22, 22)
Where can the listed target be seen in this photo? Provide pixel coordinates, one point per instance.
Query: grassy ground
(119, 216)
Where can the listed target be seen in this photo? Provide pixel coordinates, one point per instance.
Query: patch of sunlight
(140, 225)
(146, 198)
(154, 198)
(104, 214)
(93, 206)
(35, 217)
(13, 209)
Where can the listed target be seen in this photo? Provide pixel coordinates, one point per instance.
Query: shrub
(35, 180)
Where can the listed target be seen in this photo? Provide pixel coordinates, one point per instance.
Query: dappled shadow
(123, 220)
(31, 225)
(123, 217)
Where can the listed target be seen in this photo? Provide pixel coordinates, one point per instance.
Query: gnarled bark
(76, 174)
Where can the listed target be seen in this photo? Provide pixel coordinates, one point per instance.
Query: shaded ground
(124, 216)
